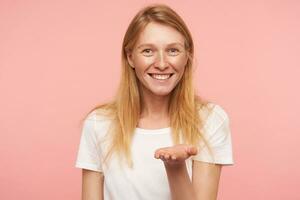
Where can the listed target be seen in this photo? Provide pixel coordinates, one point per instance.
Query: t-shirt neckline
(153, 131)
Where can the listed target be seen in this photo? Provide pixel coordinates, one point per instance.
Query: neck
(154, 106)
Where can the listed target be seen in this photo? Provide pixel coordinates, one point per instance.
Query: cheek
(178, 62)
(141, 65)
(143, 62)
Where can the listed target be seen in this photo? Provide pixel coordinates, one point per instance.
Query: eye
(174, 51)
(147, 52)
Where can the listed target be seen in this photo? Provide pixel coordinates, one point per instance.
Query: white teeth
(160, 76)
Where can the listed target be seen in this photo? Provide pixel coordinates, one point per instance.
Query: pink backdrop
(60, 58)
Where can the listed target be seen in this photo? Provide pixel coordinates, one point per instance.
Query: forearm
(179, 182)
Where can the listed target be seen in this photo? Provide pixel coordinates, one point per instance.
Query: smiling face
(159, 58)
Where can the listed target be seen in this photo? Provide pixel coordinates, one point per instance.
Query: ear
(129, 58)
(187, 57)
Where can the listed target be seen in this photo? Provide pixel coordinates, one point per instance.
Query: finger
(167, 156)
(163, 158)
(192, 150)
(157, 154)
(161, 155)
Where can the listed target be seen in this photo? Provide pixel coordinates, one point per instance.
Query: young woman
(156, 139)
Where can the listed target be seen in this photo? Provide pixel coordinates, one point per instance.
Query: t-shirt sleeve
(88, 152)
(218, 134)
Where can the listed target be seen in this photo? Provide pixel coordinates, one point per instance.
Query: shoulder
(99, 121)
(219, 111)
(213, 115)
(217, 133)
(98, 116)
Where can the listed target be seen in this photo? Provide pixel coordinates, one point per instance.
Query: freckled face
(159, 58)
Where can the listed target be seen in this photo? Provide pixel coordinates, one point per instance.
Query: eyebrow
(150, 44)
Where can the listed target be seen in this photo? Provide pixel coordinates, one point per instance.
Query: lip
(161, 73)
(161, 80)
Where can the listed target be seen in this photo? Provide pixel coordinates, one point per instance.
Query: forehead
(160, 34)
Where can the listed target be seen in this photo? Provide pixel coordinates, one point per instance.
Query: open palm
(175, 154)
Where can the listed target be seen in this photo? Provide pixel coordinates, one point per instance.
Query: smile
(161, 76)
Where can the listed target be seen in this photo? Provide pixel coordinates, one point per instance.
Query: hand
(175, 154)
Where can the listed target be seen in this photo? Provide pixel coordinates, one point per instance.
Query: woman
(157, 139)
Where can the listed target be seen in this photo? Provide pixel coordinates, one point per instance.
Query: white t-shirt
(148, 180)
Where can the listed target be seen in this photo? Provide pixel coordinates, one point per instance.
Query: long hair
(124, 110)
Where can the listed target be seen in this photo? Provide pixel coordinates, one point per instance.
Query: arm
(92, 185)
(205, 182)
(206, 178)
(179, 182)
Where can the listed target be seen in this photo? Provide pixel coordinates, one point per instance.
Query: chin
(161, 93)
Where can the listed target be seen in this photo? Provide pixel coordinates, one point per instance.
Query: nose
(161, 61)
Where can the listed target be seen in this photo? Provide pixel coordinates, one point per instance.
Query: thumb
(192, 150)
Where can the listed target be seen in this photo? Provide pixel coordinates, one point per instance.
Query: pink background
(60, 58)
